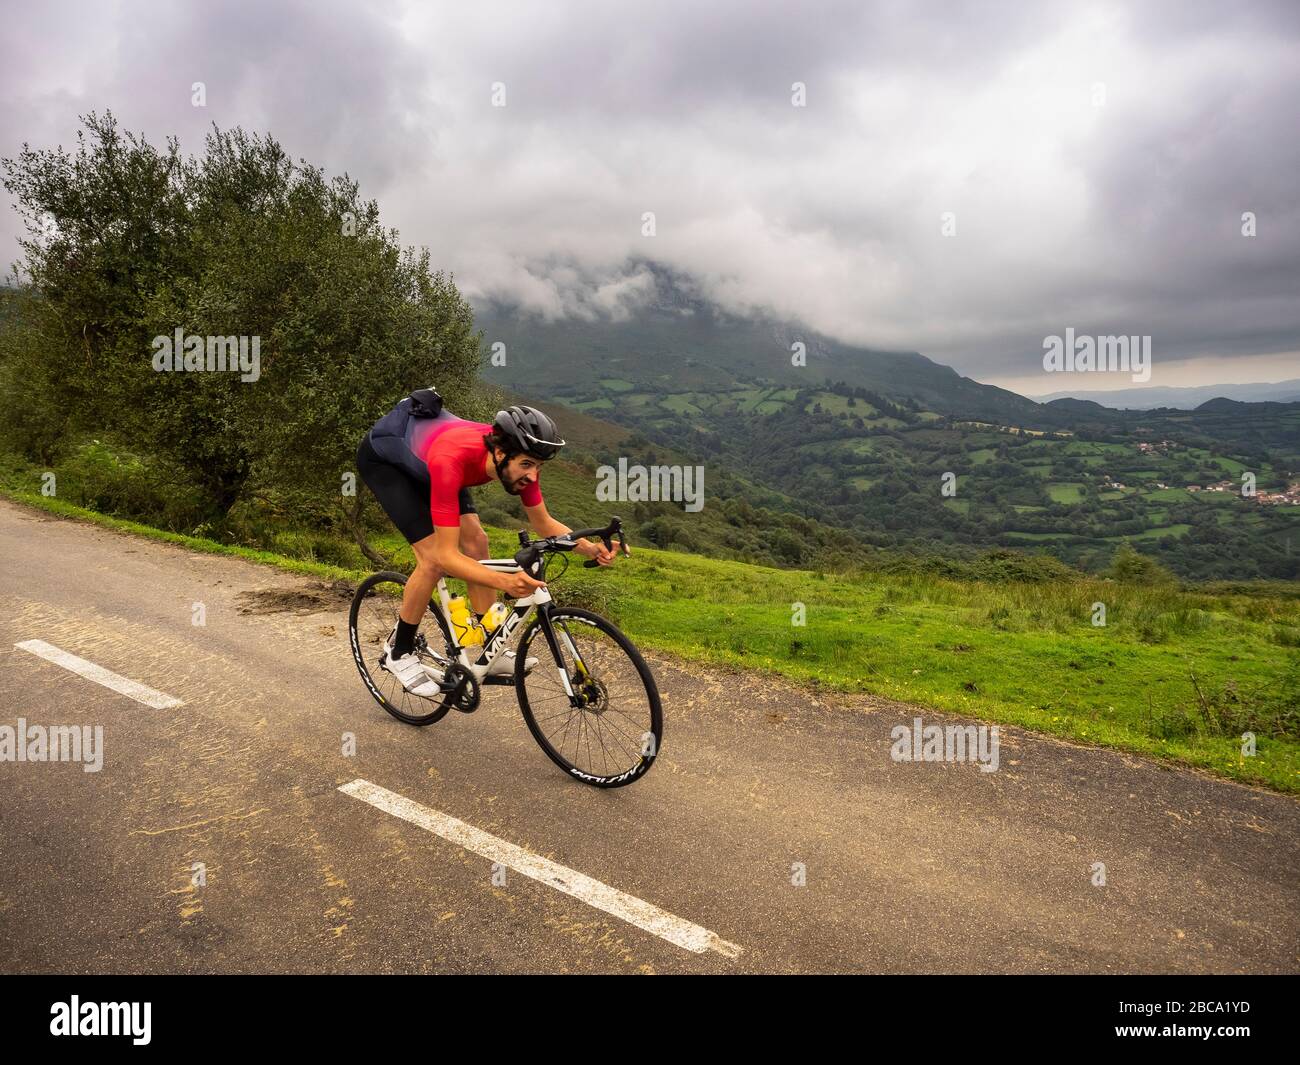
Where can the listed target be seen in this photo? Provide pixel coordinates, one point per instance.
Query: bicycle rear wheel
(610, 731)
(373, 616)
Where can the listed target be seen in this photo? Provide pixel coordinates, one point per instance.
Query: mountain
(1077, 406)
(678, 342)
(892, 450)
(1184, 398)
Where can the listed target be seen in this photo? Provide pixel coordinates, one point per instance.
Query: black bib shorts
(404, 498)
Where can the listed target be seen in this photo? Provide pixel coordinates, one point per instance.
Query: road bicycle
(591, 701)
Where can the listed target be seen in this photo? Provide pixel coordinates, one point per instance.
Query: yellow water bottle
(467, 632)
(495, 616)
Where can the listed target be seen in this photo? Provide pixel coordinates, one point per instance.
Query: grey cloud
(1123, 218)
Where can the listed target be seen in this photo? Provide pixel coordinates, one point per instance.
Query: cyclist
(420, 460)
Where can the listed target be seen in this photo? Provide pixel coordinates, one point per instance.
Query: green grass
(1092, 447)
(1065, 492)
(1230, 465)
(836, 404)
(1176, 675)
(1157, 533)
(761, 400)
(680, 404)
(1221, 499)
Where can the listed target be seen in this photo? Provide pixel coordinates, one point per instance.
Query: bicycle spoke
(605, 720)
(565, 732)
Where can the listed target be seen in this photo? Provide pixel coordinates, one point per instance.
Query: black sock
(404, 641)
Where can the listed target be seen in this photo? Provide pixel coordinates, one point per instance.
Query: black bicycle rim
(615, 741)
(372, 617)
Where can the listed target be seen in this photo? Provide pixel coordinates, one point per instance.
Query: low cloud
(1096, 159)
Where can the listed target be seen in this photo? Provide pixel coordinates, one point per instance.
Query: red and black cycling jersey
(445, 452)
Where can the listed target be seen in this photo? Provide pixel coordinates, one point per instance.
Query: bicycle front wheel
(609, 731)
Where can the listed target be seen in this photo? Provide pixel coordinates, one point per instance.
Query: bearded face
(519, 472)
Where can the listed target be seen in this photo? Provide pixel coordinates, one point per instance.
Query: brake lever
(591, 563)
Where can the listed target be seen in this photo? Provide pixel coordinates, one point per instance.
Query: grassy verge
(1175, 674)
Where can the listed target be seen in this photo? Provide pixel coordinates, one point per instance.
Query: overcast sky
(1097, 158)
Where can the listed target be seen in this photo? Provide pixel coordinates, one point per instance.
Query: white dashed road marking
(603, 897)
(100, 675)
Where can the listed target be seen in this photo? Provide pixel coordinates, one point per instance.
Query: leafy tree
(128, 243)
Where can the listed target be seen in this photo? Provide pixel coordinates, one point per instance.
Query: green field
(822, 438)
(1065, 493)
(680, 405)
(1157, 533)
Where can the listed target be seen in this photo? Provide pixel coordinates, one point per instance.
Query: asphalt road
(910, 867)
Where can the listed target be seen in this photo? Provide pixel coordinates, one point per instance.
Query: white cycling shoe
(504, 665)
(416, 677)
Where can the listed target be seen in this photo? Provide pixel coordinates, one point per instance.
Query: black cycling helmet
(532, 432)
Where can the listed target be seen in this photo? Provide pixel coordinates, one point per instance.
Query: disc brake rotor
(591, 693)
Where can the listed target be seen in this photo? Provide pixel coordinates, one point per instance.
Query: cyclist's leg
(474, 544)
(420, 584)
(406, 502)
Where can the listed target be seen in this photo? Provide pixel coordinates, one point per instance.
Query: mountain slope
(680, 342)
(1183, 398)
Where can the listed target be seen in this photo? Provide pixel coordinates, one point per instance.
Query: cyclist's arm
(444, 510)
(545, 525)
(454, 563)
(542, 522)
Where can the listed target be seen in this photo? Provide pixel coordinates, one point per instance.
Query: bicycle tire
(586, 617)
(363, 592)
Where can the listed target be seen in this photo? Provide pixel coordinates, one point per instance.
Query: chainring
(464, 695)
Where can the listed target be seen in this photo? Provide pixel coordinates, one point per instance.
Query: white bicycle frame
(486, 652)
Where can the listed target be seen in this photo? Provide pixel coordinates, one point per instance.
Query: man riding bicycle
(420, 460)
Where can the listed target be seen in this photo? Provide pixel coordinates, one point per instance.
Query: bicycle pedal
(508, 680)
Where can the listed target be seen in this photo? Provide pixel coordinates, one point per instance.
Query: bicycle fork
(579, 667)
